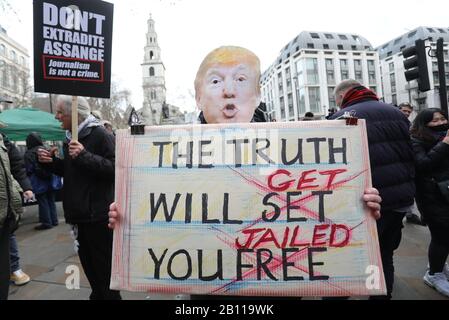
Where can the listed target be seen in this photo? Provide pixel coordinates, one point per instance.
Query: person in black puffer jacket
(392, 164)
(41, 181)
(88, 169)
(430, 141)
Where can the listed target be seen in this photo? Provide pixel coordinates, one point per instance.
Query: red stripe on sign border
(71, 79)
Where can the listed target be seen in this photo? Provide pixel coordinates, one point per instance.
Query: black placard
(73, 47)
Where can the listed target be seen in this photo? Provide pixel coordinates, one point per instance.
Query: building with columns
(14, 72)
(395, 87)
(305, 74)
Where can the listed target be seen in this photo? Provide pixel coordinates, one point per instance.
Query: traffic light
(416, 65)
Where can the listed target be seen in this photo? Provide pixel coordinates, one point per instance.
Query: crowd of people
(407, 164)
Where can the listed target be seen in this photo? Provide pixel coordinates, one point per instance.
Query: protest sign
(73, 47)
(250, 209)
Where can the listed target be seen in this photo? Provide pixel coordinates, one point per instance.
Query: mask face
(439, 123)
(440, 128)
(229, 94)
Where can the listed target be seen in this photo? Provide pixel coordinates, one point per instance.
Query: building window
(151, 55)
(411, 34)
(330, 92)
(310, 46)
(288, 78)
(431, 30)
(340, 47)
(153, 95)
(330, 71)
(302, 102)
(2, 50)
(14, 82)
(394, 99)
(280, 84)
(372, 77)
(391, 66)
(397, 40)
(4, 77)
(436, 79)
(344, 69)
(358, 70)
(281, 102)
(312, 71)
(354, 47)
(291, 111)
(343, 37)
(151, 72)
(393, 82)
(315, 35)
(330, 77)
(328, 36)
(325, 46)
(356, 38)
(371, 72)
(314, 100)
(300, 74)
(13, 56)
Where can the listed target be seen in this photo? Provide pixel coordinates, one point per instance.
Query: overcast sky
(189, 29)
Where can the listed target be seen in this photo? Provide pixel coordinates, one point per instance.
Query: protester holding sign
(88, 171)
(228, 91)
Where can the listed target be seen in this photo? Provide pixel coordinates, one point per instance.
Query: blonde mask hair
(227, 56)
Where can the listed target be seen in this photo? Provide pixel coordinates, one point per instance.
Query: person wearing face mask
(430, 140)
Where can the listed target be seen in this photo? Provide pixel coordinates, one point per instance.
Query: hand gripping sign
(248, 209)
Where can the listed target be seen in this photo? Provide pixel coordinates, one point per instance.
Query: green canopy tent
(22, 121)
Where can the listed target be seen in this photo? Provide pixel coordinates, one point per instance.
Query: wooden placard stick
(74, 118)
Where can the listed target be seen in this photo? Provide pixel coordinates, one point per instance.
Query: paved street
(45, 255)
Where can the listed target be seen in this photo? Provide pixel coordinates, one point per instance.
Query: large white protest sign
(250, 209)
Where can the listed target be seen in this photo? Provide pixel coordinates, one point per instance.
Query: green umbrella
(22, 121)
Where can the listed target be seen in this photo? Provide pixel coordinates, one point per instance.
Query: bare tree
(113, 109)
(22, 86)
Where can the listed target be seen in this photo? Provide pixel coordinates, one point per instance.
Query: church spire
(153, 77)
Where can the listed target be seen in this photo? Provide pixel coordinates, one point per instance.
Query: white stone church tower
(153, 79)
